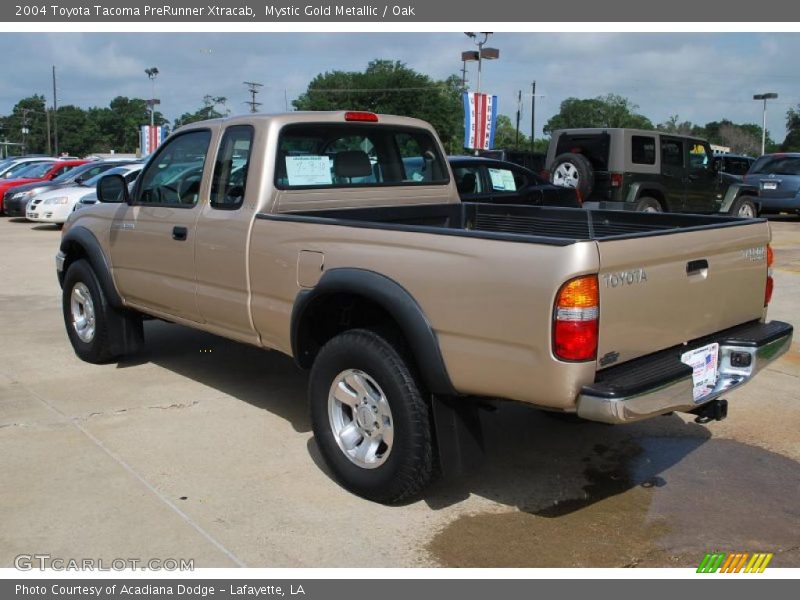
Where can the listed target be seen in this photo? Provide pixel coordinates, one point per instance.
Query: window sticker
(309, 170)
(502, 180)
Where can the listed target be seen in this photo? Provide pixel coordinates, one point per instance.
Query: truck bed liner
(548, 225)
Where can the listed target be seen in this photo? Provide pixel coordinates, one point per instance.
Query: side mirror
(112, 188)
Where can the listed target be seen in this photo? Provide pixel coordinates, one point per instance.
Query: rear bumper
(768, 204)
(660, 383)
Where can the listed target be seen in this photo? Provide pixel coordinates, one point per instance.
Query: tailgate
(661, 291)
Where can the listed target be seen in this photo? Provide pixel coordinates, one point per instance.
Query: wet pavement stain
(649, 501)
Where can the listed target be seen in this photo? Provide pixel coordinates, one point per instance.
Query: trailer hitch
(716, 410)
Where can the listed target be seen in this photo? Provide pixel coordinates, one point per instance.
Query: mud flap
(459, 435)
(126, 333)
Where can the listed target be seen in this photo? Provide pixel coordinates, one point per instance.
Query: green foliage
(741, 138)
(505, 135)
(604, 111)
(792, 141)
(207, 111)
(391, 87)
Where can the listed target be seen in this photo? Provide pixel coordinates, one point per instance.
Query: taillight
(356, 115)
(770, 282)
(575, 319)
(616, 180)
(544, 174)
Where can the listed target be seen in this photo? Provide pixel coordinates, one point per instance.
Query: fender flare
(641, 188)
(395, 300)
(86, 240)
(734, 192)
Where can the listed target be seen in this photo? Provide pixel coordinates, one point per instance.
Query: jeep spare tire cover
(573, 171)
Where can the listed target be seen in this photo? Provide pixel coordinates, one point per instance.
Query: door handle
(694, 267)
(179, 233)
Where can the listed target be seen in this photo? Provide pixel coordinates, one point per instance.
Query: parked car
(406, 303)
(480, 179)
(644, 170)
(535, 161)
(17, 199)
(12, 167)
(36, 173)
(55, 206)
(733, 165)
(777, 179)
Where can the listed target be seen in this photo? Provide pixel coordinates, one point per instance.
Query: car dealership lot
(201, 449)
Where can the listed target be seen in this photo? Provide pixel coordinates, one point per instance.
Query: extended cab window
(173, 176)
(230, 169)
(347, 155)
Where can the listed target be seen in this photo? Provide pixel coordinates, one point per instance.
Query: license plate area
(704, 362)
(769, 185)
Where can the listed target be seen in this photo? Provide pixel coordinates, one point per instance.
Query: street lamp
(764, 97)
(152, 73)
(481, 54)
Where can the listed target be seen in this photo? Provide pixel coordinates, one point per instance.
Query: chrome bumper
(612, 406)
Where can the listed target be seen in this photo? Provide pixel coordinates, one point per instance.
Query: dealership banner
(150, 138)
(480, 120)
(410, 11)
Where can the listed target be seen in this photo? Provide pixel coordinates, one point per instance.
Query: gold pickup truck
(339, 239)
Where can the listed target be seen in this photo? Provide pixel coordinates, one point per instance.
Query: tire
(743, 207)
(82, 295)
(573, 171)
(396, 460)
(648, 204)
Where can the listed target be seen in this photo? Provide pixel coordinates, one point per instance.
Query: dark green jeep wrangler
(645, 170)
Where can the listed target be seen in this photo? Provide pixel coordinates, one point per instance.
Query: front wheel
(370, 418)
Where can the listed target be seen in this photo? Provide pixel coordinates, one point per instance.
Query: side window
(173, 176)
(643, 150)
(468, 180)
(672, 153)
(230, 170)
(61, 171)
(503, 180)
(698, 156)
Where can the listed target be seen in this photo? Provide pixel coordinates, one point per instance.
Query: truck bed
(533, 224)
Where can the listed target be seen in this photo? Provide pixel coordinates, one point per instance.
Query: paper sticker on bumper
(704, 362)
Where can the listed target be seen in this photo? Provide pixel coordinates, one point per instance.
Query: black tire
(99, 348)
(648, 204)
(745, 207)
(582, 168)
(409, 466)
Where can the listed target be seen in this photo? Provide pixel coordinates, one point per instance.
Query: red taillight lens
(575, 319)
(366, 117)
(616, 180)
(770, 282)
(544, 174)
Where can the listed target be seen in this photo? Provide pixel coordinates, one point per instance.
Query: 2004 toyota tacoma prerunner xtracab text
(339, 239)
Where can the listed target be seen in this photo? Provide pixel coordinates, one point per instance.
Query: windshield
(776, 165)
(34, 171)
(21, 169)
(73, 173)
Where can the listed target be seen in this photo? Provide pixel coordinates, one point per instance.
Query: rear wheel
(648, 204)
(573, 170)
(370, 418)
(744, 207)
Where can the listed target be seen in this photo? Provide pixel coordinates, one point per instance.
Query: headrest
(352, 163)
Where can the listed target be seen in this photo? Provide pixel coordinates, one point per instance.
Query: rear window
(593, 146)
(346, 155)
(777, 165)
(643, 150)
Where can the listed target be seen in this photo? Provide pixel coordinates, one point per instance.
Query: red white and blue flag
(480, 120)
(150, 138)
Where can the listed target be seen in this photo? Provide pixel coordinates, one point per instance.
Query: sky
(700, 77)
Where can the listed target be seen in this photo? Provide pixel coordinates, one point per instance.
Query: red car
(38, 172)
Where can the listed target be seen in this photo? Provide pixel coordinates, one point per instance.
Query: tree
(120, 123)
(391, 87)
(792, 141)
(604, 111)
(678, 127)
(743, 138)
(205, 112)
(78, 133)
(505, 135)
(29, 114)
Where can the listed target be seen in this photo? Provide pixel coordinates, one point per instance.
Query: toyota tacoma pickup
(306, 233)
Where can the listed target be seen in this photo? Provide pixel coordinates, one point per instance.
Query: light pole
(764, 97)
(482, 53)
(152, 73)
